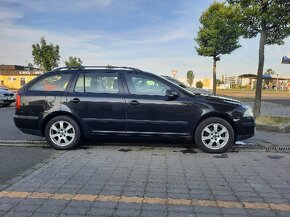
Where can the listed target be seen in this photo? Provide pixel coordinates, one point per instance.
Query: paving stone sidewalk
(137, 181)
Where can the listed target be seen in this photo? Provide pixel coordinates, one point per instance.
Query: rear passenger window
(52, 83)
(97, 83)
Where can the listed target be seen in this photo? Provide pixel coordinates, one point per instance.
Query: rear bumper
(246, 128)
(27, 124)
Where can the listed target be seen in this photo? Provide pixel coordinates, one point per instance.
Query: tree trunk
(214, 76)
(258, 95)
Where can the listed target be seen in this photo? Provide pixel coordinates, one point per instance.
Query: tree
(219, 33)
(190, 77)
(45, 56)
(30, 65)
(219, 82)
(271, 20)
(199, 84)
(269, 72)
(73, 62)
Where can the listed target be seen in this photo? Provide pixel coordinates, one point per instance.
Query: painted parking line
(145, 200)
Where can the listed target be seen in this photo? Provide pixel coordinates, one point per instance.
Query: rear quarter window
(54, 82)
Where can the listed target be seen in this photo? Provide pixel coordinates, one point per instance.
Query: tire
(214, 135)
(62, 133)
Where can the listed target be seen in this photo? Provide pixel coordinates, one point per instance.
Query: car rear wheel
(63, 133)
(214, 135)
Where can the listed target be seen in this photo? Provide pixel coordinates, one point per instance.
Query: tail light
(18, 102)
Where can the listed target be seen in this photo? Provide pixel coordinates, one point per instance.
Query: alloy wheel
(62, 133)
(215, 136)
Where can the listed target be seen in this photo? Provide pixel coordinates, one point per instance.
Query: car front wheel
(63, 133)
(214, 135)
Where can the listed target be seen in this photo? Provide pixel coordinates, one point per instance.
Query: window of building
(22, 81)
(11, 79)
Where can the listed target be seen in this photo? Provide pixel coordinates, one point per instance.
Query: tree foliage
(199, 84)
(30, 65)
(219, 33)
(271, 20)
(269, 72)
(73, 62)
(45, 56)
(190, 77)
(219, 82)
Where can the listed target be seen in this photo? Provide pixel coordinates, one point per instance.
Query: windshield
(175, 81)
(178, 83)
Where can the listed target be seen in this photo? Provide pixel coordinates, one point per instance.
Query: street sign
(174, 72)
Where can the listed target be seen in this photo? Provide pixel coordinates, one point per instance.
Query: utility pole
(277, 82)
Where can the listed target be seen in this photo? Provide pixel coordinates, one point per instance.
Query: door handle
(75, 100)
(134, 102)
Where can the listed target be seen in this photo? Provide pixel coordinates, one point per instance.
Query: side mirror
(171, 94)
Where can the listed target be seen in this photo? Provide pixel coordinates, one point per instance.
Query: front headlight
(248, 113)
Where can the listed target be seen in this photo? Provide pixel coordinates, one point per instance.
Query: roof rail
(95, 67)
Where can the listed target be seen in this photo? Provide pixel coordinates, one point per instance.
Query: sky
(156, 36)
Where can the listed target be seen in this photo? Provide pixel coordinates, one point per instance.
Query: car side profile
(66, 105)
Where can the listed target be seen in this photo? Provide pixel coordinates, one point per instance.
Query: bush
(199, 84)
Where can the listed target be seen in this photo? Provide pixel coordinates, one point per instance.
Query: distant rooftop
(16, 67)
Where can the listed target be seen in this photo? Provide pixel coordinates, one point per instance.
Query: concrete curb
(272, 128)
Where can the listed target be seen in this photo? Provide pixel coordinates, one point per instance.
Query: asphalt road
(284, 102)
(15, 160)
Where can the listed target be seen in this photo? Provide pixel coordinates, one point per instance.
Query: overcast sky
(156, 36)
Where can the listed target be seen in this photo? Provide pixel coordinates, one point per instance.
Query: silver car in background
(6, 97)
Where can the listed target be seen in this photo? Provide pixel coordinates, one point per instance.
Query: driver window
(145, 85)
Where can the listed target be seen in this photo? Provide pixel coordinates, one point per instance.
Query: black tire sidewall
(208, 121)
(76, 140)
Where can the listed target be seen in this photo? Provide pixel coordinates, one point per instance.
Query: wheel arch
(59, 113)
(218, 115)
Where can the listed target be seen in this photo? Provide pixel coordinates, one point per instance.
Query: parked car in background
(192, 89)
(6, 97)
(4, 87)
(121, 103)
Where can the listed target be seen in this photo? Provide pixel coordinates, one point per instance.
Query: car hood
(199, 90)
(221, 99)
(5, 91)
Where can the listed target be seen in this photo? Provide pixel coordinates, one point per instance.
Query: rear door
(97, 99)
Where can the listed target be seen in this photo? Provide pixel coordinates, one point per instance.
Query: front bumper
(246, 128)
(6, 100)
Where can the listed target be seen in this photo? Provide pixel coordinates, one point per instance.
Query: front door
(150, 111)
(98, 101)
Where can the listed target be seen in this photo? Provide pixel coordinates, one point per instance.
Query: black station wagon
(122, 103)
